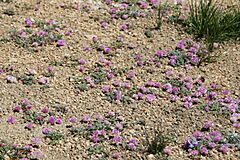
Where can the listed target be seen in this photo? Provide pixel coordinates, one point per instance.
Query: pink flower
(208, 125)
(43, 81)
(118, 95)
(94, 39)
(17, 108)
(45, 110)
(194, 152)
(86, 118)
(167, 150)
(124, 26)
(224, 148)
(45, 130)
(11, 120)
(36, 140)
(212, 145)
(29, 126)
(28, 22)
(50, 68)
(106, 50)
(73, 119)
(117, 139)
(150, 97)
(82, 61)
(61, 42)
(116, 155)
(52, 120)
(204, 150)
(59, 121)
(104, 24)
(106, 88)
(131, 74)
(32, 72)
(11, 79)
(125, 16)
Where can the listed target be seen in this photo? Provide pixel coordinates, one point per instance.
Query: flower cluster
(201, 143)
(104, 128)
(39, 33)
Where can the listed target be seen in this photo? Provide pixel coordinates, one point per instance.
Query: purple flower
(181, 45)
(82, 61)
(143, 89)
(119, 126)
(81, 69)
(217, 138)
(50, 69)
(192, 50)
(94, 39)
(116, 131)
(17, 108)
(11, 120)
(106, 50)
(124, 26)
(32, 72)
(174, 98)
(194, 152)
(226, 92)
(73, 119)
(45, 130)
(179, 2)
(45, 110)
(118, 95)
(236, 125)
(167, 150)
(208, 125)
(28, 22)
(150, 97)
(124, 16)
(104, 24)
(52, 120)
(110, 75)
(212, 145)
(29, 126)
(36, 140)
(204, 150)
(140, 95)
(131, 74)
(59, 121)
(61, 42)
(24, 159)
(111, 113)
(86, 118)
(117, 139)
(37, 155)
(131, 146)
(43, 81)
(11, 79)
(116, 155)
(198, 134)
(224, 148)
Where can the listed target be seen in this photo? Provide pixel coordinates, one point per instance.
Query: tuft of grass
(9, 12)
(158, 142)
(209, 20)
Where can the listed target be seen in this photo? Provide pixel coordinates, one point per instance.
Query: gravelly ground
(60, 96)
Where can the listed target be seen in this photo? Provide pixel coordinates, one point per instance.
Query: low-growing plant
(9, 11)
(13, 152)
(55, 137)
